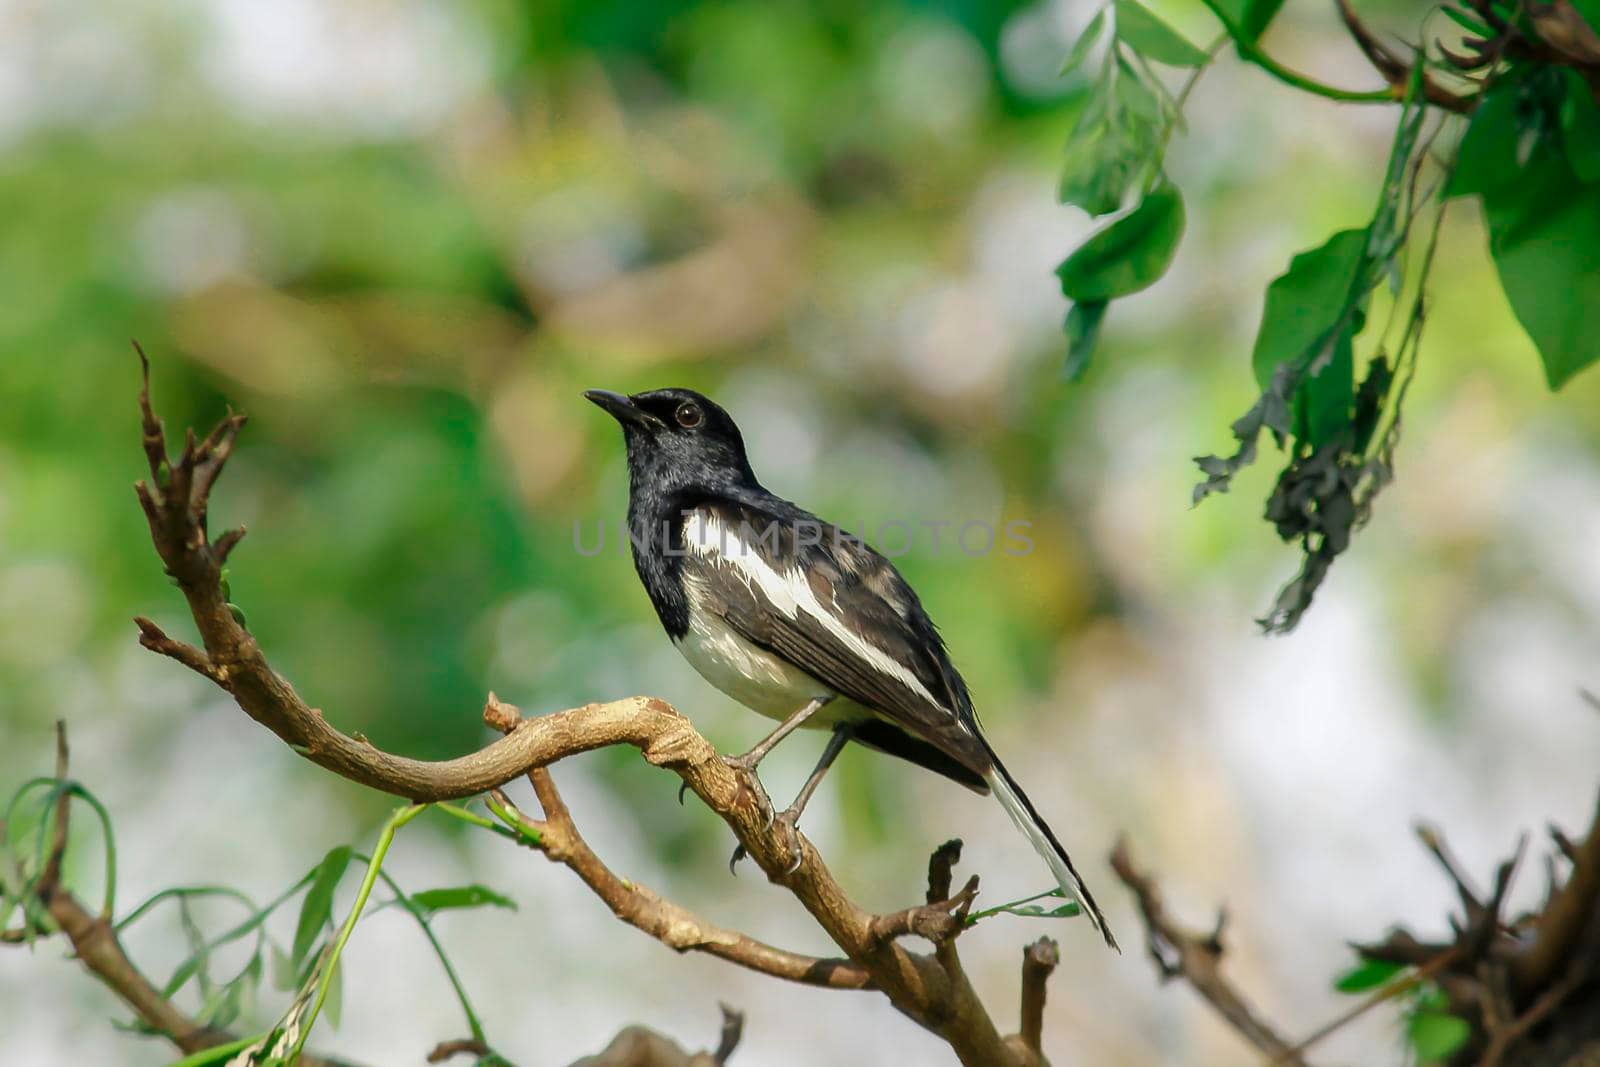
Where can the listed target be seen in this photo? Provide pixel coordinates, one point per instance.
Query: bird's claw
(683, 788)
(790, 820)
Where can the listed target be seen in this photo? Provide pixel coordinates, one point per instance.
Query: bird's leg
(790, 816)
(749, 760)
(841, 737)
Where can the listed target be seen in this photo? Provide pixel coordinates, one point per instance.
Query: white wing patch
(760, 681)
(706, 536)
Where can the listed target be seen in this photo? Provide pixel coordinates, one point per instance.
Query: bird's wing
(835, 608)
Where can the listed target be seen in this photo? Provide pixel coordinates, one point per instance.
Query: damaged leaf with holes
(1338, 437)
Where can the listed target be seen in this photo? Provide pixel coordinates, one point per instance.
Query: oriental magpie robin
(796, 619)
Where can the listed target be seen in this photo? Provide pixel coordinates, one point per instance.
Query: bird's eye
(688, 415)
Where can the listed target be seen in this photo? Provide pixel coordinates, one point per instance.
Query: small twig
(1038, 961)
(941, 869)
(1504, 1038)
(1559, 927)
(1386, 993)
(673, 925)
(155, 639)
(1434, 842)
(1197, 958)
(938, 921)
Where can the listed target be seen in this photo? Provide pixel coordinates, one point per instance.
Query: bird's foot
(789, 819)
(748, 782)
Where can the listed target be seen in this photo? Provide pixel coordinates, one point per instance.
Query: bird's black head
(677, 439)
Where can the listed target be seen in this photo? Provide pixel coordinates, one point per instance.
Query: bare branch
(674, 926)
(1039, 960)
(1197, 958)
(1571, 910)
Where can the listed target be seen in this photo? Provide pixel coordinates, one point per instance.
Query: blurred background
(403, 235)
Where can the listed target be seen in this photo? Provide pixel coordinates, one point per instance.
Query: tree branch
(1197, 958)
(673, 925)
(95, 943)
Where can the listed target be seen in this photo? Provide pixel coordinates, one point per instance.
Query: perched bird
(796, 619)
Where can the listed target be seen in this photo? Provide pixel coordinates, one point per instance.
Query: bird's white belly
(754, 677)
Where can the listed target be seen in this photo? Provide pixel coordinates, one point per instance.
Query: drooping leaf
(1104, 163)
(1152, 38)
(1580, 126)
(466, 896)
(1139, 100)
(1085, 43)
(1435, 1036)
(1129, 254)
(317, 908)
(1083, 331)
(1305, 303)
(1328, 390)
(1544, 235)
(1368, 974)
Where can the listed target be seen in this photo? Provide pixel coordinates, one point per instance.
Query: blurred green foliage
(835, 218)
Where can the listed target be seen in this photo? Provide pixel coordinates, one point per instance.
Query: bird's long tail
(1043, 839)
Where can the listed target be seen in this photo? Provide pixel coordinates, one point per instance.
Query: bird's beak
(620, 407)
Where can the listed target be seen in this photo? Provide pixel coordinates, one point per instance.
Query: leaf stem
(1252, 53)
(400, 817)
(455, 811)
(473, 1023)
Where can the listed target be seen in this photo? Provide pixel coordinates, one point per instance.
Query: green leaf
(1328, 391)
(1580, 126)
(1306, 302)
(1105, 162)
(1136, 98)
(284, 975)
(1368, 974)
(1435, 1036)
(1249, 17)
(1085, 43)
(1544, 235)
(1083, 330)
(1152, 38)
(466, 896)
(317, 908)
(333, 1006)
(1487, 158)
(1129, 254)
